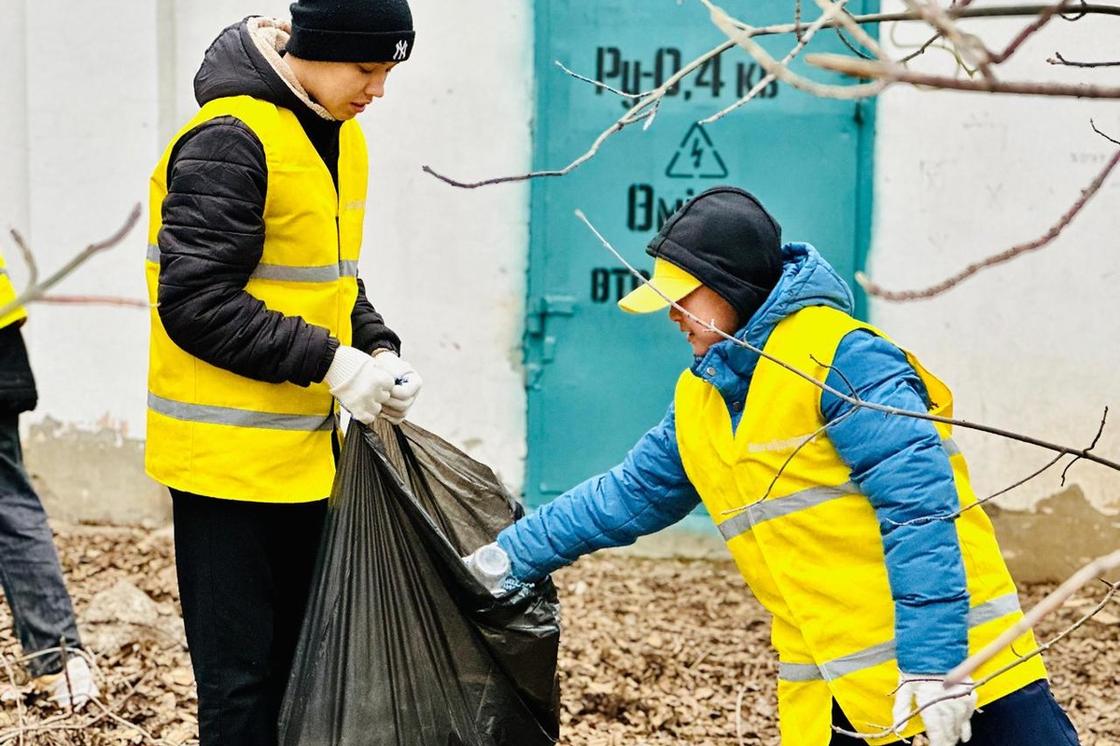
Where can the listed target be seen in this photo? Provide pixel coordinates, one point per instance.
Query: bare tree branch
(1055, 447)
(1110, 139)
(1058, 59)
(970, 686)
(94, 300)
(36, 290)
(889, 74)
(767, 79)
(1043, 18)
(1100, 431)
(743, 31)
(743, 36)
(1055, 600)
(873, 288)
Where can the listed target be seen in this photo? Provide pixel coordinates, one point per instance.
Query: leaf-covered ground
(654, 651)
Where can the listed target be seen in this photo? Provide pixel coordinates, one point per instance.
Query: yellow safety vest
(7, 295)
(812, 552)
(211, 431)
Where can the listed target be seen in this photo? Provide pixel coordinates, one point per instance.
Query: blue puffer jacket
(896, 461)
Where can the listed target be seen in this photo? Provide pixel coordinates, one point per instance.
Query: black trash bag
(401, 644)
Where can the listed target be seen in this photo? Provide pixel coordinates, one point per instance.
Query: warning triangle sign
(696, 157)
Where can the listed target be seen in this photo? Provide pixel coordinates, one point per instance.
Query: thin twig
(93, 300)
(1110, 139)
(1058, 59)
(739, 713)
(877, 290)
(957, 513)
(743, 36)
(599, 83)
(891, 73)
(1104, 418)
(28, 256)
(769, 77)
(967, 46)
(1055, 447)
(1043, 18)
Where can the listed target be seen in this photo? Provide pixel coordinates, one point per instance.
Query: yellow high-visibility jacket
(812, 551)
(213, 432)
(7, 295)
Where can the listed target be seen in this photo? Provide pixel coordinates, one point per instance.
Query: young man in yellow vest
(877, 583)
(259, 323)
(40, 606)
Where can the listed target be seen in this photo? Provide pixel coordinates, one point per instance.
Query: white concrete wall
(94, 92)
(1031, 345)
(106, 84)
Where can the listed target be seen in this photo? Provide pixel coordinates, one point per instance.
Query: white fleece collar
(270, 35)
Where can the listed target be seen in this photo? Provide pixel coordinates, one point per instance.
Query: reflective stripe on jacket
(7, 295)
(809, 543)
(213, 432)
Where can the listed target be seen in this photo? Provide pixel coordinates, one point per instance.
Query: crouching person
(878, 582)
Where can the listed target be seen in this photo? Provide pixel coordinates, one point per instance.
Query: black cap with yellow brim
(672, 282)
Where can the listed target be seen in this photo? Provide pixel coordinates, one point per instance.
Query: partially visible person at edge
(877, 583)
(29, 570)
(259, 323)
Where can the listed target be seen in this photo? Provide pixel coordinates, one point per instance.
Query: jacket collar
(807, 280)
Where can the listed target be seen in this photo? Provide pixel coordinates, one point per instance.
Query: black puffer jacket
(213, 233)
(17, 385)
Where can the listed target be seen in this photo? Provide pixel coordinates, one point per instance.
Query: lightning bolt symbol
(697, 153)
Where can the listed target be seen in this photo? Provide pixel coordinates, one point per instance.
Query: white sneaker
(76, 692)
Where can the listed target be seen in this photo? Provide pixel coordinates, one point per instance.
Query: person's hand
(358, 384)
(948, 712)
(490, 566)
(407, 384)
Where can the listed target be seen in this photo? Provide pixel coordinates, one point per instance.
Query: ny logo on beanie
(402, 50)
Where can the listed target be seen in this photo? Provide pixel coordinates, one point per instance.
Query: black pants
(245, 572)
(1027, 717)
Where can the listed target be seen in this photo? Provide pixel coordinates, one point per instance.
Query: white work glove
(490, 566)
(358, 384)
(407, 383)
(947, 720)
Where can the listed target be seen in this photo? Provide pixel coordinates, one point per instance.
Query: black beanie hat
(351, 30)
(725, 239)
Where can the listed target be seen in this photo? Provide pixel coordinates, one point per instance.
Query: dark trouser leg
(29, 568)
(839, 720)
(1026, 717)
(244, 576)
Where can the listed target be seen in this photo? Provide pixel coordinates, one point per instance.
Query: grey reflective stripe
(798, 672)
(3, 272)
(885, 651)
(994, 609)
(951, 447)
(321, 273)
(783, 506)
(318, 273)
(866, 658)
(213, 415)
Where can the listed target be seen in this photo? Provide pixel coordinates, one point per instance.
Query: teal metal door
(598, 378)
